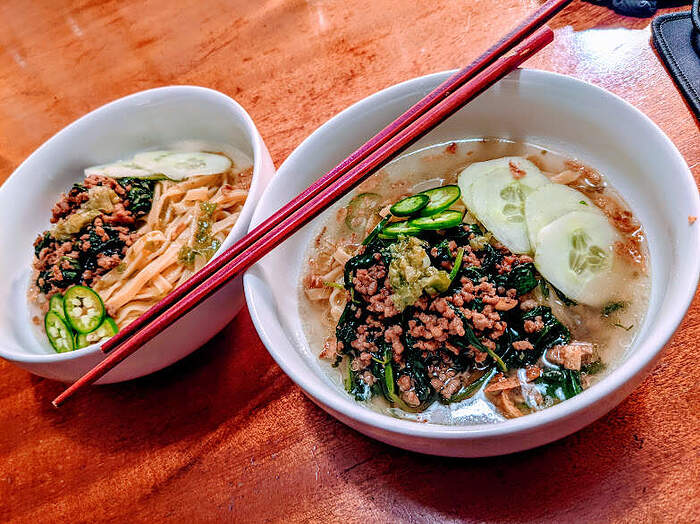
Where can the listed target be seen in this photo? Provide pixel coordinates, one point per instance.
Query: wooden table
(224, 434)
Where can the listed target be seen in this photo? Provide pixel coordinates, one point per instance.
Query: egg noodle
(331, 261)
(165, 254)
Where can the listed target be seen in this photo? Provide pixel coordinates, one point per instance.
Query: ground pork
(330, 349)
(393, 336)
(367, 281)
(68, 203)
(382, 304)
(431, 331)
(444, 380)
(572, 355)
(406, 388)
(362, 342)
(510, 261)
(59, 264)
(528, 304)
(522, 345)
(532, 326)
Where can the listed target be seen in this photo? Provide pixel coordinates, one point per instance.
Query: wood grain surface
(224, 435)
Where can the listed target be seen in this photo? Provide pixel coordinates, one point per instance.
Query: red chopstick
(338, 188)
(527, 27)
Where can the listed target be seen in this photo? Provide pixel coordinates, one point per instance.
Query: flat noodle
(328, 268)
(152, 266)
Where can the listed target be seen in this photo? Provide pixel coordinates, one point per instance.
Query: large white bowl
(543, 108)
(145, 120)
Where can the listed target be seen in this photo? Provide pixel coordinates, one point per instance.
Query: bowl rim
(632, 368)
(252, 135)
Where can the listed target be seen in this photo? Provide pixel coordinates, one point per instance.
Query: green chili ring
(444, 220)
(410, 205)
(83, 309)
(59, 334)
(396, 229)
(107, 329)
(440, 199)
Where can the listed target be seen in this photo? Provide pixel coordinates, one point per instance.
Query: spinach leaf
(474, 228)
(99, 245)
(366, 259)
(517, 358)
(457, 265)
(139, 193)
(42, 242)
(522, 278)
(418, 373)
(386, 373)
(78, 188)
(566, 300)
(473, 273)
(554, 332)
(459, 234)
(594, 367)
(443, 253)
(346, 329)
(560, 383)
(470, 339)
(490, 258)
(470, 390)
(71, 275)
(354, 385)
(477, 304)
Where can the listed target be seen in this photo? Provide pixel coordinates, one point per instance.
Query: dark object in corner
(678, 45)
(638, 8)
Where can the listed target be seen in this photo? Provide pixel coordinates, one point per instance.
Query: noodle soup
(128, 234)
(475, 281)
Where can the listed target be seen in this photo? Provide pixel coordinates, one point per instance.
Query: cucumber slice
(495, 191)
(410, 205)
(529, 174)
(397, 229)
(576, 254)
(56, 305)
(444, 220)
(121, 170)
(59, 334)
(360, 209)
(179, 165)
(551, 201)
(498, 203)
(107, 329)
(440, 199)
(83, 309)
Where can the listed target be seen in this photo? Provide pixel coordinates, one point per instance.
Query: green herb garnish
(611, 307)
(626, 328)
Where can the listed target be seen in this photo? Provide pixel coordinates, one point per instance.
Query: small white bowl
(147, 120)
(560, 113)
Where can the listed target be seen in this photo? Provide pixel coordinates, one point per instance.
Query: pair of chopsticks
(505, 56)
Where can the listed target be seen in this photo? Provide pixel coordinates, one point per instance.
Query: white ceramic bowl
(146, 120)
(555, 111)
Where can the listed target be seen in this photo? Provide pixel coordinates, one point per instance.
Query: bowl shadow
(558, 482)
(181, 402)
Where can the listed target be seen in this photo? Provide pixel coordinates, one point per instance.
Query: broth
(611, 329)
